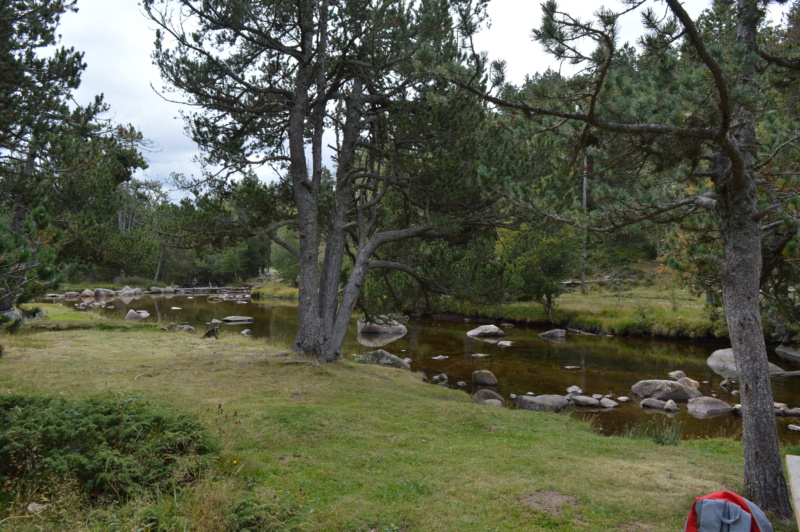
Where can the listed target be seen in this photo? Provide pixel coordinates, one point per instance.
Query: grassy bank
(645, 309)
(353, 447)
(274, 290)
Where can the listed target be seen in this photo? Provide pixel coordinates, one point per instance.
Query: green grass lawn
(354, 447)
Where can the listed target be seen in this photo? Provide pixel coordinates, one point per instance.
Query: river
(600, 365)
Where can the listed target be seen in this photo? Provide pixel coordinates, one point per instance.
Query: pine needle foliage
(113, 447)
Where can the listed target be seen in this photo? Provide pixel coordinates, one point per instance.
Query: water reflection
(598, 365)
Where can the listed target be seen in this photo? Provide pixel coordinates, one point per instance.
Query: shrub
(113, 447)
(661, 430)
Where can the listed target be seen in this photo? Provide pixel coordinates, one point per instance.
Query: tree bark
(733, 167)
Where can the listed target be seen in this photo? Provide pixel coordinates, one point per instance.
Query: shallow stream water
(606, 366)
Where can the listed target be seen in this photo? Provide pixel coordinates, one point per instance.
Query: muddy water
(606, 366)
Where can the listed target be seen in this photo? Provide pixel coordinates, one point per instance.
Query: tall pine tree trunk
(737, 209)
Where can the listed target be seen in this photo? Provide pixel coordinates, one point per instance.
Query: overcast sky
(117, 40)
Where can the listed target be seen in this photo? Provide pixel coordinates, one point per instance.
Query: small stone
(623, 399)
(461, 383)
(670, 406)
(597, 396)
(572, 368)
(608, 403)
(247, 332)
(735, 392)
(795, 428)
(512, 396)
(504, 343)
(36, 508)
(582, 400)
(528, 393)
(440, 357)
(655, 404)
(441, 377)
(677, 374)
(479, 355)
(574, 389)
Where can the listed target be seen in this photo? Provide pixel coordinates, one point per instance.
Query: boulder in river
(542, 403)
(677, 374)
(654, 404)
(555, 334)
(133, 315)
(664, 390)
(485, 395)
(582, 400)
(237, 319)
(382, 358)
(104, 292)
(722, 362)
(484, 377)
(86, 294)
(708, 407)
(605, 402)
(389, 327)
(486, 331)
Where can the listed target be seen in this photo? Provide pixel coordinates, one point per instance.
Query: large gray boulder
(484, 377)
(708, 407)
(486, 331)
(86, 294)
(788, 351)
(542, 403)
(722, 362)
(664, 390)
(485, 395)
(382, 358)
(390, 327)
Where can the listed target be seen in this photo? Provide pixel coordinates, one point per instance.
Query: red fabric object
(691, 523)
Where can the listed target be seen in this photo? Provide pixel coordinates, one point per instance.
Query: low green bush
(112, 447)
